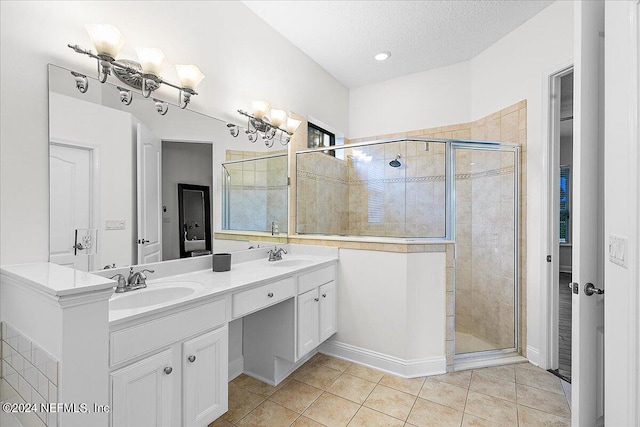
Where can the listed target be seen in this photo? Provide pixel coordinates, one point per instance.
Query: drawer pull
(270, 294)
(324, 295)
(191, 358)
(168, 370)
(316, 299)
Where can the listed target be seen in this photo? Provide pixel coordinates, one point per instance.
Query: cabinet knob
(168, 370)
(191, 358)
(324, 295)
(270, 294)
(316, 299)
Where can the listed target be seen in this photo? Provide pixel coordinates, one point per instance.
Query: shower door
(485, 190)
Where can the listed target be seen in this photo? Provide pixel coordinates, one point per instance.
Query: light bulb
(292, 125)
(278, 117)
(190, 76)
(152, 60)
(260, 108)
(107, 39)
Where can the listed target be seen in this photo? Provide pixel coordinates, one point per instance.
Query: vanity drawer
(263, 296)
(312, 280)
(130, 342)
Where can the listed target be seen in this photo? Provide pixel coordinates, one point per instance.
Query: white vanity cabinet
(171, 370)
(204, 378)
(317, 309)
(142, 394)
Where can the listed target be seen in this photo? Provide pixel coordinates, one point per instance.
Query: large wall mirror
(115, 171)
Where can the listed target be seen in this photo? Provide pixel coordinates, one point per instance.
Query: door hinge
(548, 258)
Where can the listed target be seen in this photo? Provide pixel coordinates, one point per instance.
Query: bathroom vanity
(166, 346)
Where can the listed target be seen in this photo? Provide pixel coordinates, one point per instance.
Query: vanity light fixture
(143, 75)
(258, 124)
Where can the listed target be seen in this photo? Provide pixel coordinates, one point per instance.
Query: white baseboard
(404, 368)
(236, 367)
(533, 354)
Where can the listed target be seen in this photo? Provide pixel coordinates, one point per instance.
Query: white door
(307, 322)
(587, 311)
(328, 311)
(205, 373)
(149, 196)
(142, 393)
(70, 203)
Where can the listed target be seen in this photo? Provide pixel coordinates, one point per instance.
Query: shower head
(395, 163)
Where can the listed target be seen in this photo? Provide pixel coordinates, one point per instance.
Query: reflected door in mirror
(149, 196)
(195, 220)
(70, 203)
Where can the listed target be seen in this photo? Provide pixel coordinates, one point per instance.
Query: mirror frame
(207, 215)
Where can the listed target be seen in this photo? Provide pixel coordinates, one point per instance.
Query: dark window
(318, 137)
(565, 204)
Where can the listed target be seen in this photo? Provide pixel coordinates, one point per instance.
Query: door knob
(168, 370)
(590, 289)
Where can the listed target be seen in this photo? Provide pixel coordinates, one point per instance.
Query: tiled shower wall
(364, 196)
(258, 191)
(31, 372)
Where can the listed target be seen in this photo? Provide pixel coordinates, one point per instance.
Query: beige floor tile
(444, 393)
(296, 396)
(493, 386)
(306, 422)
(461, 378)
(220, 422)
(430, 414)
(543, 400)
(506, 373)
(269, 414)
(529, 417)
(369, 418)
(491, 408)
(526, 365)
(256, 386)
(539, 378)
(352, 388)
(317, 375)
(332, 411)
(333, 362)
(241, 402)
(408, 385)
(472, 421)
(390, 401)
(364, 372)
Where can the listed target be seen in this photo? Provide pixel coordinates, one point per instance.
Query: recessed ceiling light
(382, 56)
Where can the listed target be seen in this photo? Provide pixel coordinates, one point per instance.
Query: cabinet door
(308, 338)
(204, 367)
(328, 311)
(142, 393)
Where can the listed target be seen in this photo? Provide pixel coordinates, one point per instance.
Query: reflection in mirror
(109, 172)
(195, 222)
(254, 192)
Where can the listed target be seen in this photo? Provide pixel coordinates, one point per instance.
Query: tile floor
(327, 391)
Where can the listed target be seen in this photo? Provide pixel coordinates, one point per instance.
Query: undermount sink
(153, 294)
(292, 262)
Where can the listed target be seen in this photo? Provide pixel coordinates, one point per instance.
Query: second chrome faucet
(136, 280)
(275, 254)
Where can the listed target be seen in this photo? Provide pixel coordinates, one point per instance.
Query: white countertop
(242, 275)
(57, 280)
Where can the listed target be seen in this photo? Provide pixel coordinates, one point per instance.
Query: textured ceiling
(343, 36)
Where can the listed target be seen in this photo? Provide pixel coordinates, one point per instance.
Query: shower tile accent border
(30, 371)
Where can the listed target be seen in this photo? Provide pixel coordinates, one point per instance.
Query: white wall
(432, 98)
(509, 71)
(622, 214)
(391, 310)
(78, 122)
(182, 163)
(221, 37)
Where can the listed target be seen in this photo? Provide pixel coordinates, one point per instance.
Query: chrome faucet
(136, 280)
(275, 254)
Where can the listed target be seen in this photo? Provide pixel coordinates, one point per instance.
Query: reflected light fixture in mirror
(143, 75)
(258, 124)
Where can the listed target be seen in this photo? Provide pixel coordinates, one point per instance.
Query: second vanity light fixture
(143, 75)
(259, 124)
